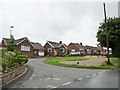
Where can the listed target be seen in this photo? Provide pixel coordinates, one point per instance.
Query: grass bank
(56, 61)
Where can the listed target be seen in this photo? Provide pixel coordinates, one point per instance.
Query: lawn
(0, 64)
(56, 61)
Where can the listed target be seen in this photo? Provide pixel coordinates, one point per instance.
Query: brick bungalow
(38, 49)
(91, 50)
(76, 49)
(22, 45)
(55, 49)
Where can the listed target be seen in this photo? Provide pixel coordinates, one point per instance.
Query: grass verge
(0, 64)
(56, 61)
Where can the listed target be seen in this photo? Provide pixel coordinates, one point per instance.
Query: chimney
(80, 43)
(60, 42)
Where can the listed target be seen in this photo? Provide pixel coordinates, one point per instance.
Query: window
(25, 48)
(49, 49)
(88, 50)
(82, 50)
(62, 49)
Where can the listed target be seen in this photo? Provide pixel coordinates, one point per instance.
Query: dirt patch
(94, 61)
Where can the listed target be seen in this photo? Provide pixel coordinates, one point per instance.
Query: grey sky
(67, 21)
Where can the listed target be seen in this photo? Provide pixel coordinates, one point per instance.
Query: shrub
(21, 59)
(3, 50)
(11, 59)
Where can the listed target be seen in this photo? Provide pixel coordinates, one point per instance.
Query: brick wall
(25, 43)
(11, 75)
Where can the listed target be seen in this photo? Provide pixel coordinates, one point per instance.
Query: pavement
(42, 75)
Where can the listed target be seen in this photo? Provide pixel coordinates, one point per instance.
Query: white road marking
(100, 73)
(50, 86)
(66, 83)
(80, 79)
(40, 79)
(93, 75)
(47, 78)
(54, 87)
(33, 75)
(30, 78)
(56, 79)
(87, 76)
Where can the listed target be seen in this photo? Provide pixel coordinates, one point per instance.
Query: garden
(11, 60)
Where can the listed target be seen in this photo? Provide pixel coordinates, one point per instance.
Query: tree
(113, 28)
(10, 46)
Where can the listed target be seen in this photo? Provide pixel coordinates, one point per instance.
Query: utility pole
(107, 43)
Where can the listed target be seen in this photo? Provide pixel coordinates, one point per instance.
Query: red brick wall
(26, 43)
(46, 46)
(71, 46)
(60, 52)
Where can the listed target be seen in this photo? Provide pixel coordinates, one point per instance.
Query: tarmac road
(42, 75)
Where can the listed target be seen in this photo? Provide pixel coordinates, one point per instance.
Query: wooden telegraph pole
(107, 43)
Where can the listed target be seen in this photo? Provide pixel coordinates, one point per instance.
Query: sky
(55, 20)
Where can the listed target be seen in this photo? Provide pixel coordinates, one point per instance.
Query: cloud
(67, 21)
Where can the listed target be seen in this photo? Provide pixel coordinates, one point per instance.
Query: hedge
(11, 59)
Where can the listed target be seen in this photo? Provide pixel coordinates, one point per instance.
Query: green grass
(56, 61)
(0, 63)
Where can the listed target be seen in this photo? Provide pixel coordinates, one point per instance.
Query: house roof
(19, 40)
(38, 46)
(6, 40)
(78, 45)
(91, 47)
(56, 44)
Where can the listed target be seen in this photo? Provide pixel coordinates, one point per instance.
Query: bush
(21, 59)
(3, 50)
(11, 59)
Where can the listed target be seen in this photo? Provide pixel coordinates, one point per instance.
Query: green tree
(10, 46)
(113, 28)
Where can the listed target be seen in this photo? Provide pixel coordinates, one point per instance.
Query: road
(42, 75)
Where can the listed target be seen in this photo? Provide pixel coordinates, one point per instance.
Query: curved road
(42, 75)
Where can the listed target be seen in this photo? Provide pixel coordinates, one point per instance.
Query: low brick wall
(11, 75)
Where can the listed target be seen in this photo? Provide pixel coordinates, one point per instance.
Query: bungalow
(104, 51)
(91, 50)
(38, 49)
(76, 49)
(54, 48)
(22, 45)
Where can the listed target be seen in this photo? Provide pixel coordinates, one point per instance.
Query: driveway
(42, 75)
